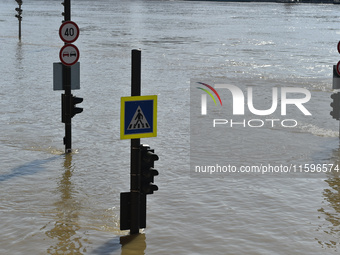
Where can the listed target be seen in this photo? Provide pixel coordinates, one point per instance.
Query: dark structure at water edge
(280, 1)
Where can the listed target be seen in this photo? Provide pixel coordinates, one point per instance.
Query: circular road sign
(338, 68)
(69, 54)
(69, 32)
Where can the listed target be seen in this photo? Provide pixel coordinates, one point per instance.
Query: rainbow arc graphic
(204, 98)
(209, 93)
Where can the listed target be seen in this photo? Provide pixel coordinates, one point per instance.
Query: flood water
(52, 203)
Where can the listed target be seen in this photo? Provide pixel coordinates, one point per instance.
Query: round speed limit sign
(69, 32)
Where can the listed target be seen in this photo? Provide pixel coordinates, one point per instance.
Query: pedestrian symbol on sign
(138, 117)
(138, 120)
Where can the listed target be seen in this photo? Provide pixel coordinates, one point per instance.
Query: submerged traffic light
(63, 13)
(336, 106)
(148, 157)
(68, 107)
(74, 101)
(67, 10)
(19, 10)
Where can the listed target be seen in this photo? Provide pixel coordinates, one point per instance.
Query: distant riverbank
(280, 1)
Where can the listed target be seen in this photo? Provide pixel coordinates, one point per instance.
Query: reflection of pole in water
(66, 225)
(19, 56)
(331, 211)
(133, 244)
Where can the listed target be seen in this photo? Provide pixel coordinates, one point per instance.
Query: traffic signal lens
(74, 101)
(148, 157)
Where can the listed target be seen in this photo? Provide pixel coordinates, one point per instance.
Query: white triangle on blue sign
(138, 120)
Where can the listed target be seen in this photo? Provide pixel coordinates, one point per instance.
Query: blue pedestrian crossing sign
(138, 117)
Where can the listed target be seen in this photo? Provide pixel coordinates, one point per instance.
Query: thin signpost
(335, 113)
(69, 55)
(135, 144)
(138, 120)
(19, 10)
(66, 72)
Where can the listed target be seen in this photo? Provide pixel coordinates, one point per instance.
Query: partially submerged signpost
(66, 73)
(138, 120)
(335, 113)
(19, 10)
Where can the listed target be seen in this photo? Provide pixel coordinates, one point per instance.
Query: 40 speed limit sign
(69, 32)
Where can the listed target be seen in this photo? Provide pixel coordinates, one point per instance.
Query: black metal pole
(67, 87)
(20, 26)
(67, 10)
(67, 102)
(19, 10)
(135, 147)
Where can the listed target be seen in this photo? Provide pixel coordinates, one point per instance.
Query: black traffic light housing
(147, 159)
(67, 10)
(18, 16)
(68, 107)
(19, 10)
(336, 106)
(74, 101)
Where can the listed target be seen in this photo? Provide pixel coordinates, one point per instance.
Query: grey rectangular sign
(58, 76)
